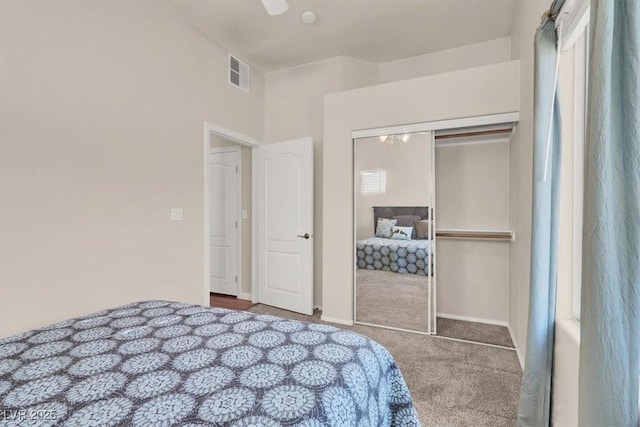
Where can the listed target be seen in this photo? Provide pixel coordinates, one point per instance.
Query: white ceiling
(371, 30)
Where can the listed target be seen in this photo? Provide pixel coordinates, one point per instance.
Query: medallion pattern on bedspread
(161, 363)
(398, 256)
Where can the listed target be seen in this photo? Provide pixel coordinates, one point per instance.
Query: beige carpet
(392, 299)
(400, 301)
(473, 331)
(453, 384)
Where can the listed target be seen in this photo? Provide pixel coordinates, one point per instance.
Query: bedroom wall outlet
(244, 214)
(176, 214)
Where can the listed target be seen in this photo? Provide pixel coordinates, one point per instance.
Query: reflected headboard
(391, 211)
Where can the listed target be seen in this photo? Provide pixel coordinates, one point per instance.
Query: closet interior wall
(473, 233)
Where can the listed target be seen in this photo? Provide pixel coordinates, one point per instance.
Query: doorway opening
(258, 243)
(229, 218)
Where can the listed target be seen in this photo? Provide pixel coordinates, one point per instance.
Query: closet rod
(476, 133)
(484, 235)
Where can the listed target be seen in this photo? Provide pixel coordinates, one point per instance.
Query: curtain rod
(476, 133)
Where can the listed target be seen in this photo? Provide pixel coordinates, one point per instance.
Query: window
(572, 25)
(579, 130)
(373, 182)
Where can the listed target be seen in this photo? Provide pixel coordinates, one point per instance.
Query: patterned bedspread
(399, 256)
(160, 363)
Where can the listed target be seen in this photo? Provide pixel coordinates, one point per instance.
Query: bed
(398, 256)
(160, 363)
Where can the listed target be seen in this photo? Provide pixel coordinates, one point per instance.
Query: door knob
(304, 236)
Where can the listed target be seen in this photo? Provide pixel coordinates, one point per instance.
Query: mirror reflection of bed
(406, 248)
(393, 231)
(392, 275)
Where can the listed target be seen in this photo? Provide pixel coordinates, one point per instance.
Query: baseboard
(473, 319)
(515, 344)
(336, 320)
(245, 296)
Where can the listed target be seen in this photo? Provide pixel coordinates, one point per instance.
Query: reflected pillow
(407, 221)
(422, 229)
(384, 227)
(401, 233)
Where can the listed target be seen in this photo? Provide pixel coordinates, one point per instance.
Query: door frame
(214, 129)
(237, 208)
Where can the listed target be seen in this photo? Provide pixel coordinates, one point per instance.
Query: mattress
(399, 256)
(160, 363)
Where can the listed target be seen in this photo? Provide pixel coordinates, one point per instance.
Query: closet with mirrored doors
(431, 228)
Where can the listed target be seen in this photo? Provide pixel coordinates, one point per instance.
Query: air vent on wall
(238, 73)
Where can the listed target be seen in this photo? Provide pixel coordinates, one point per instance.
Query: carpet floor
(452, 383)
(400, 301)
(474, 331)
(392, 299)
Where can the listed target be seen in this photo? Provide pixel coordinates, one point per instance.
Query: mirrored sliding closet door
(394, 250)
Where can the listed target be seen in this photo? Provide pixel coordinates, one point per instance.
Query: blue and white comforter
(161, 363)
(399, 256)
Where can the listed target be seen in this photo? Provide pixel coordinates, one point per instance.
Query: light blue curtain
(610, 306)
(535, 393)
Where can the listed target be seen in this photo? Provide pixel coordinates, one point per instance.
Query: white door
(223, 221)
(285, 227)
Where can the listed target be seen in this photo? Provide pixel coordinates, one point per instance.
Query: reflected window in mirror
(373, 182)
(393, 181)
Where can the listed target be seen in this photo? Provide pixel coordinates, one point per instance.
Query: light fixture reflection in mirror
(393, 242)
(391, 139)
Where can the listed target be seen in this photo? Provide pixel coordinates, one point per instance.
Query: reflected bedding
(398, 256)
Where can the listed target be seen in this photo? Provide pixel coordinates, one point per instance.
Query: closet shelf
(493, 235)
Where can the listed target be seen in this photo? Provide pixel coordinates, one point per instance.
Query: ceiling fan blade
(275, 7)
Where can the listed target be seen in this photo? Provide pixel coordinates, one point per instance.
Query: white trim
(230, 149)
(336, 320)
(207, 248)
(474, 319)
(572, 327)
(211, 128)
(517, 347)
(254, 225)
(437, 125)
(238, 211)
(231, 135)
(354, 271)
(571, 21)
(246, 296)
(393, 328)
(579, 133)
(474, 342)
(433, 252)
